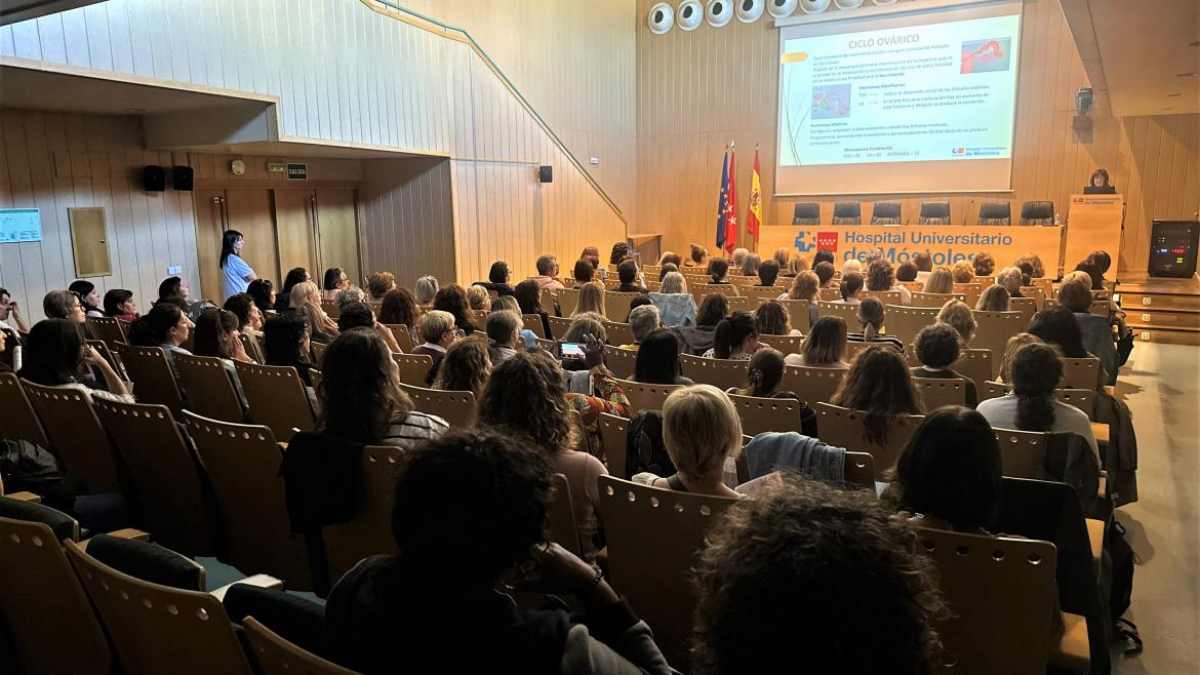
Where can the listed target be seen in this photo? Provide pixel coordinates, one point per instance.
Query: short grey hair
(434, 324)
(642, 320)
(349, 295)
(1010, 278)
(674, 282)
(426, 288)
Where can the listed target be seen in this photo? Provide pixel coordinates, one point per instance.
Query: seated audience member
(983, 264)
(666, 269)
(805, 287)
(906, 272)
(1039, 269)
(825, 272)
(503, 335)
(959, 316)
(466, 367)
(637, 301)
(351, 295)
(878, 384)
(1095, 331)
(507, 303)
(851, 266)
(360, 315)
(823, 256)
(963, 272)
(11, 319)
(453, 299)
(425, 291)
(696, 256)
(1026, 267)
(454, 556)
(305, 301)
(718, 271)
(529, 299)
(629, 276)
(296, 275)
(750, 265)
(670, 258)
(583, 273)
(250, 319)
(361, 398)
(378, 284)
(217, 336)
(783, 257)
(286, 343)
(924, 264)
(642, 321)
(1010, 279)
(824, 346)
(994, 299)
(676, 307)
(88, 297)
(55, 355)
(399, 308)
(736, 338)
(263, 292)
(119, 304)
(1037, 371)
(658, 359)
(64, 305)
(585, 325)
(499, 278)
(547, 271)
(772, 319)
(334, 281)
(164, 326)
(702, 432)
(937, 348)
(763, 377)
(1057, 326)
(591, 299)
(699, 338)
(852, 288)
(768, 272)
(592, 255)
(802, 543)
(478, 298)
(1101, 260)
(525, 396)
(620, 251)
(870, 317)
(881, 277)
(940, 280)
(436, 329)
(738, 258)
(1011, 348)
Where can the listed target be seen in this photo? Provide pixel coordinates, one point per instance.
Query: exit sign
(297, 171)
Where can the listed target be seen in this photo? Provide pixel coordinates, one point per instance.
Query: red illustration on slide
(985, 56)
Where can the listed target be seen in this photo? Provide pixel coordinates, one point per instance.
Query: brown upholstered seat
(936, 392)
(721, 373)
(76, 436)
(153, 378)
(277, 398)
(844, 428)
(210, 391)
(456, 407)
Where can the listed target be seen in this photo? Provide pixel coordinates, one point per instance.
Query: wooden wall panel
(698, 91)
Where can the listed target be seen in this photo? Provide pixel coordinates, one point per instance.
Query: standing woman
(236, 274)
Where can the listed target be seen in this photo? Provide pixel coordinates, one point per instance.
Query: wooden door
(337, 233)
(296, 231)
(210, 223)
(250, 212)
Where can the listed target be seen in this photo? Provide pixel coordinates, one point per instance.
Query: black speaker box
(154, 178)
(545, 174)
(182, 178)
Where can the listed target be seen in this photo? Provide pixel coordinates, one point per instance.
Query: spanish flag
(754, 216)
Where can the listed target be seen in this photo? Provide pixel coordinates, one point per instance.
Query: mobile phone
(572, 350)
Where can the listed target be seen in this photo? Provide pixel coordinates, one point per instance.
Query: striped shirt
(410, 431)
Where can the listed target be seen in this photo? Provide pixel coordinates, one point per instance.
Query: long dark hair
(260, 290)
(283, 337)
(825, 343)
(212, 335)
(359, 396)
(528, 295)
(240, 304)
(879, 384)
(732, 332)
(114, 298)
(227, 241)
(296, 275)
(657, 358)
(332, 276)
(452, 298)
(1057, 325)
(153, 326)
(498, 274)
(53, 353)
(1036, 372)
(713, 308)
(717, 269)
(525, 395)
(765, 372)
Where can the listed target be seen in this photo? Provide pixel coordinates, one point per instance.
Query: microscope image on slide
(985, 56)
(831, 101)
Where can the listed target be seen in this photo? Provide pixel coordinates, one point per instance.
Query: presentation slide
(933, 94)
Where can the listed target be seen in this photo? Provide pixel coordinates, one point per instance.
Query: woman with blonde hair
(465, 367)
(591, 299)
(676, 307)
(477, 297)
(940, 280)
(702, 433)
(963, 272)
(305, 301)
(805, 287)
(993, 299)
(958, 314)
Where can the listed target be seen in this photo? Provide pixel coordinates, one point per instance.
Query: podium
(1094, 223)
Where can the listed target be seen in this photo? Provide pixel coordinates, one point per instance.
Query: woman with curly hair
(958, 314)
(878, 384)
(399, 307)
(772, 319)
(802, 543)
(465, 367)
(453, 299)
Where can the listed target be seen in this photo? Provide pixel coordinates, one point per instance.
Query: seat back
(109, 330)
(1026, 306)
(318, 354)
(1084, 399)
(759, 293)
(849, 313)
(164, 473)
(209, 388)
(277, 656)
(806, 213)
(798, 314)
(1001, 594)
(934, 213)
(253, 346)
(414, 368)
(1035, 293)
(995, 213)
(277, 398)
(992, 331)
(701, 290)
(860, 470)
(560, 516)
(334, 309)
(741, 303)
(847, 213)
(904, 322)
(559, 326)
(613, 430)
(160, 629)
(760, 415)
(812, 384)
(1081, 373)
(654, 536)
(153, 378)
(1037, 213)
(845, 428)
(1022, 452)
(567, 299)
(885, 213)
(975, 365)
(721, 373)
(923, 299)
(109, 357)
(20, 421)
(886, 297)
(993, 389)
(370, 532)
(533, 323)
(830, 294)
(243, 462)
(53, 626)
(404, 338)
(76, 436)
(618, 333)
(646, 396)
(622, 362)
(456, 407)
(788, 344)
(616, 304)
(937, 392)
(970, 292)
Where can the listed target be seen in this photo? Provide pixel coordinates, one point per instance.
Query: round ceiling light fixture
(749, 11)
(661, 18)
(780, 9)
(814, 6)
(719, 13)
(690, 15)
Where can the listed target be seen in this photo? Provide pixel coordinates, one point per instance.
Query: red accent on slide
(827, 241)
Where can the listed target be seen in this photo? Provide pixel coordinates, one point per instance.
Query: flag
(754, 214)
(723, 202)
(731, 228)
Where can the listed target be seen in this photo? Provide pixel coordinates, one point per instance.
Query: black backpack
(1122, 558)
(644, 448)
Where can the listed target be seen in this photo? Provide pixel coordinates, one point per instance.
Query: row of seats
(931, 213)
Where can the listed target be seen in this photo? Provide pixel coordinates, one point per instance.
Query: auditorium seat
(560, 516)
(788, 344)
(532, 323)
(20, 420)
(75, 435)
(622, 362)
(613, 430)
(970, 293)
(644, 397)
(276, 656)
(741, 303)
(1037, 213)
(847, 213)
(885, 213)
(806, 213)
(278, 398)
(153, 378)
(904, 322)
(797, 313)
(253, 346)
(109, 357)
(811, 384)
(403, 336)
(886, 297)
(934, 213)
(849, 313)
(995, 213)
(210, 391)
(992, 331)
(318, 353)
(759, 293)
(559, 326)
(975, 365)
(844, 428)
(760, 415)
(938, 392)
(106, 329)
(1026, 306)
(938, 300)
(370, 531)
(618, 333)
(721, 373)
(456, 407)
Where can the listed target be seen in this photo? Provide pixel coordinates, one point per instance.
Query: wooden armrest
(1073, 652)
(1095, 531)
(260, 580)
(1100, 431)
(25, 497)
(130, 533)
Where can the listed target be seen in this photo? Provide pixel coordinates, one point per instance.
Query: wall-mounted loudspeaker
(181, 178)
(719, 12)
(154, 178)
(781, 8)
(661, 18)
(545, 174)
(749, 11)
(690, 15)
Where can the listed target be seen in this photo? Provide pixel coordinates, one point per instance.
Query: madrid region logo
(802, 242)
(826, 241)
